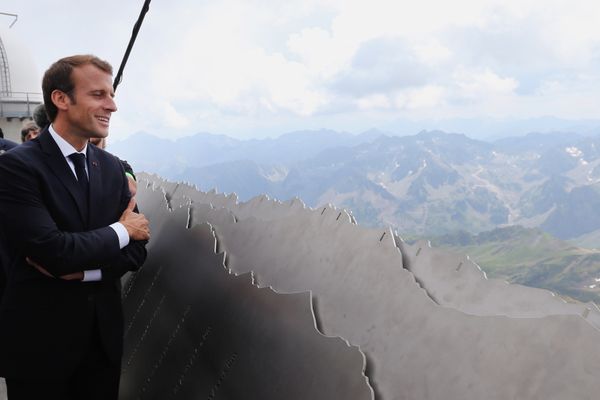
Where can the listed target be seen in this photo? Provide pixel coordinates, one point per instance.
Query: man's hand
(132, 185)
(136, 224)
(75, 276)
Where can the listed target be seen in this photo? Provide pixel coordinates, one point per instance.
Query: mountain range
(430, 183)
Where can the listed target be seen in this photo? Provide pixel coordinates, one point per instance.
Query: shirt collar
(65, 147)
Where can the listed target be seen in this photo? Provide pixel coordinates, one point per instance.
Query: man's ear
(60, 99)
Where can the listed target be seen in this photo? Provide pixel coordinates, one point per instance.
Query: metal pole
(136, 29)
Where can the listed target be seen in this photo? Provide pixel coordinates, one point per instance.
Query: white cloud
(478, 84)
(172, 118)
(318, 51)
(250, 60)
(425, 97)
(375, 101)
(227, 59)
(428, 96)
(431, 52)
(237, 65)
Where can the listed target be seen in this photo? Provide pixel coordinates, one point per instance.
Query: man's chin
(100, 133)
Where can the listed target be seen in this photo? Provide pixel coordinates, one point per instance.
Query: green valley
(531, 257)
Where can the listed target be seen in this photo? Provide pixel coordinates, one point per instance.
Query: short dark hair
(59, 77)
(40, 117)
(28, 127)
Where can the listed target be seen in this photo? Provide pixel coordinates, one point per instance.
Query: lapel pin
(95, 163)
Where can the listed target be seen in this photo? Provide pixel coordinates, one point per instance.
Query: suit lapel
(58, 165)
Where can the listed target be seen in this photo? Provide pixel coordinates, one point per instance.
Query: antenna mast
(11, 15)
(136, 29)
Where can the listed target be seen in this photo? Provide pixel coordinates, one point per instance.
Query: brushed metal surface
(194, 330)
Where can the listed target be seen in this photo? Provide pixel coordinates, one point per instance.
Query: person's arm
(134, 254)
(131, 179)
(128, 170)
(60, 252)
(131, 259)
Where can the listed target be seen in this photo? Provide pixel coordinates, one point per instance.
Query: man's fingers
(131, 204)
(43, 271)
(143, 233)
(37, 266)
(132, 186)
(137, 231)
(68, 277)
(31, 262)
(75, 276)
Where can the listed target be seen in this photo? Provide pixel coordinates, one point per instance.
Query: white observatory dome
(20, 85)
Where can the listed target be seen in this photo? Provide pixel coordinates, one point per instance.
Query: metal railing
(19, 104)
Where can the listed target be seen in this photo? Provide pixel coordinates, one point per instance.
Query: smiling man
(70, 230)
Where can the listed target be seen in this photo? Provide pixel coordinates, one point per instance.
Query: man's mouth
(104, 120)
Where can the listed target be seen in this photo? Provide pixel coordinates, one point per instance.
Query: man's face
(89, 114)
(31, 134)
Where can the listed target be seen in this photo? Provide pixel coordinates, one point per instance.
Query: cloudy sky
(254, 68)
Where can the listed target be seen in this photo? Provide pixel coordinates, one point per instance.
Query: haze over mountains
(520, 207)
(430, 183)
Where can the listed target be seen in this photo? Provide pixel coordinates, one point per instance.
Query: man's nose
(110, 104)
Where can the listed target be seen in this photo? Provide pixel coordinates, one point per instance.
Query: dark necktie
(82, 178)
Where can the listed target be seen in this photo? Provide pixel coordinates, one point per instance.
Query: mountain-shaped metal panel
(416, 349)
(194, 330)
(453, 280)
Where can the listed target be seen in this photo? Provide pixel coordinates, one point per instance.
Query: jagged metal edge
(587, 311)
(309, 292)
(190, 224)
(172, 188)
(411, 275)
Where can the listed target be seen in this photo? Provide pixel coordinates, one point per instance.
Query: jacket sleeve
(134, 254)
(28, 222)
(131, 259)
(128, 169)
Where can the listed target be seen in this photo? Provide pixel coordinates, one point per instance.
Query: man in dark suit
(6, 145)
(71, 233)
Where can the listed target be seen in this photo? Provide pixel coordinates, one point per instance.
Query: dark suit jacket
(6, 145)
(46, 323)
